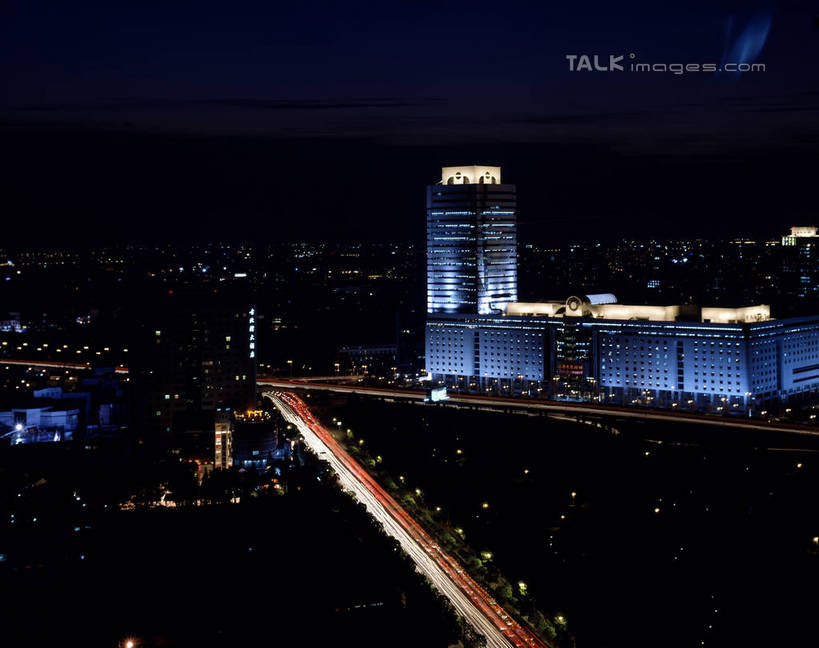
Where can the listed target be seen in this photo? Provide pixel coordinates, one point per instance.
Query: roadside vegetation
(479, 563)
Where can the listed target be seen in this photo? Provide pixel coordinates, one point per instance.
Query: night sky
(323, 120)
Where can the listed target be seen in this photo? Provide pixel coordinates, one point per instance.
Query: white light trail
(469, 599)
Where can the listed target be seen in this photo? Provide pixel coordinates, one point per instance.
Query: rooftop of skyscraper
(471, 174)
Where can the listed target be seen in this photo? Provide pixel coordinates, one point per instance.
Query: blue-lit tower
(471, 242)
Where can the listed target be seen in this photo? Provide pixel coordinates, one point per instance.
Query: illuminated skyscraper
(471, 242)
(591, 347)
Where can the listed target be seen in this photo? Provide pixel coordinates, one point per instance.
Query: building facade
(193, 356)
(591, 347)
(622, 361)
(800, 249)
(471, 242)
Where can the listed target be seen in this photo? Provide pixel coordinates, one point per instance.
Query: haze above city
(237, 113)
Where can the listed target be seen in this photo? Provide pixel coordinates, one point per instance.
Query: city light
(193, 204)
(473, 602)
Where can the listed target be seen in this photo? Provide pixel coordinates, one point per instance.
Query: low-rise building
(591, 347)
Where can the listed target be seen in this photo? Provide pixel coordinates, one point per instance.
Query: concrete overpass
(564, 407)
(491, 402)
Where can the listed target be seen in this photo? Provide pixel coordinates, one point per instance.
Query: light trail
(502, 402)
(470, 600)
(56, 364)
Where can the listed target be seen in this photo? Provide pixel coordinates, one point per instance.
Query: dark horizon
(150, 187)
(135, 123)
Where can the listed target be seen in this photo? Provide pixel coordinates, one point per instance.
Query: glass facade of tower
(471, 247)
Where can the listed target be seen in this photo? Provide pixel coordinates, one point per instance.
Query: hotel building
(590, 347)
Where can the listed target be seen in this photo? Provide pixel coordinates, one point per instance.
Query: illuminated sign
(436, 394)
(251, 327)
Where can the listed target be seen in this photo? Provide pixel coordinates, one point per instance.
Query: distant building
(620, 353)
(193, 354)
(37, 424)
(254, 440)
(98, 406)
(801, 249)
(471, 241)
(223, 442)
(376, 360)
(248, 440)
(799, 233)
(590, 347)
(108, 403)
(12, 325)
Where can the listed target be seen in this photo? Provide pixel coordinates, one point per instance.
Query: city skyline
(409, 324)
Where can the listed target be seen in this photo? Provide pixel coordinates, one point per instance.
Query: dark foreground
(307, 568)
(656, 536)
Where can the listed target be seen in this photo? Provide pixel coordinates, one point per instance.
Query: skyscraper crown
(474, 174)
